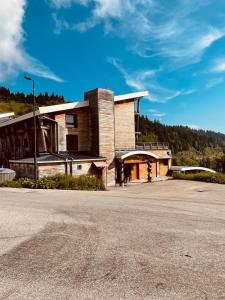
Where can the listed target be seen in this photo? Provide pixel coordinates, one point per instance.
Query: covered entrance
(135, 165)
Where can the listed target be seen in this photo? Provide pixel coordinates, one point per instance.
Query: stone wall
(101, 108)
(50, 169)
(124, 126)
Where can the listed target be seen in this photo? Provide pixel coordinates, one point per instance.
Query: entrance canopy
(125, 154)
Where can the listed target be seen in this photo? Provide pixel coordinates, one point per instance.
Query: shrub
(11, 184)
(62, 182)
(89, 183)
(203, 176)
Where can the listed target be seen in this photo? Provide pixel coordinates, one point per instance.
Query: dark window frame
(72, 124)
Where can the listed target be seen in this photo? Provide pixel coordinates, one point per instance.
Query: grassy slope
(17, 108)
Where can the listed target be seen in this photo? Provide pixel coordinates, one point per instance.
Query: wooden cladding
(17, 140)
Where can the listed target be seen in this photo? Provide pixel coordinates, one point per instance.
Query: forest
(189, 146)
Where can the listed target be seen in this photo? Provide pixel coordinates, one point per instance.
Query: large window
(71, 121)
(72, 142)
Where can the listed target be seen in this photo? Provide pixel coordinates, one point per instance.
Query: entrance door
(134, 171)
(72, 142)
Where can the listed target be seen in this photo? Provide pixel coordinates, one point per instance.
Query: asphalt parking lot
(151, 241)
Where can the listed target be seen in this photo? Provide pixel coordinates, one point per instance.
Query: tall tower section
(102, 127)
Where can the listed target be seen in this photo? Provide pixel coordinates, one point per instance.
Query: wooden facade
(17, 140)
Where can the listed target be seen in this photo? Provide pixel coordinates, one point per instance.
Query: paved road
(151, 241)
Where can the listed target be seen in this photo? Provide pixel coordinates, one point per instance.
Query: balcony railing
(152, 146)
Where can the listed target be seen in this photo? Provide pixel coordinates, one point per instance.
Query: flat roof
(68, 106)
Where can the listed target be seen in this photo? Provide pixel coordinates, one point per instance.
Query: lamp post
(35, 130)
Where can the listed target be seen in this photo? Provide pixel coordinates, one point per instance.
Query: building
(93, 137)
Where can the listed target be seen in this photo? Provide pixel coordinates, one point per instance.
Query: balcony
(152, 146)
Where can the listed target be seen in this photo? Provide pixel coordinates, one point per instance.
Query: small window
(71, 121)
(79, 167)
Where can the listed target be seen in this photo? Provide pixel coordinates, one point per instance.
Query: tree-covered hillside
(189, 146)
(180, 138)
(20, 103)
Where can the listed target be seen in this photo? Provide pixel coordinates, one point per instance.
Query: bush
(203, 176)
(11, 184)
(61, 182)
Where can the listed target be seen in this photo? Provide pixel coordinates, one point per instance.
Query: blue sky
(174, 49)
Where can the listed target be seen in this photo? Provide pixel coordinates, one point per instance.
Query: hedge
(203, 176)
(61, 182)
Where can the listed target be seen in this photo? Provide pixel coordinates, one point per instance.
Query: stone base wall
(50, 169)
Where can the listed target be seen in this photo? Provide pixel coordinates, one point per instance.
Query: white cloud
(13, 57)
(169, 29)
(145, 80)
(219, 66)
(66, 3)
(214, 82)
(156, 114)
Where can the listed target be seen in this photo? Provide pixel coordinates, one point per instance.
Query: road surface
(151, 241)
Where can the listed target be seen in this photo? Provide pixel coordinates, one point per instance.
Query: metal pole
(35, 133)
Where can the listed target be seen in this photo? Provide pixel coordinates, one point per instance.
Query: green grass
(16, 107)
(61, 182)
(203, 176)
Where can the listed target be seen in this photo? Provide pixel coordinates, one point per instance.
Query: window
(72, 142)
(71, 121)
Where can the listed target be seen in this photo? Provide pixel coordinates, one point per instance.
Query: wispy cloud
(151, 27)
(66, 3)
(13, 56)
(214, 82)
(146, 79)
(156, 114)
(218, 66)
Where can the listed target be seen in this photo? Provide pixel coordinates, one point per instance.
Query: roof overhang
(46, 110)
(6, 116)
(124, 155)
(68, 106)
(131, 96)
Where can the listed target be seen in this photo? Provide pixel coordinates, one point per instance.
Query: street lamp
(35, 131)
